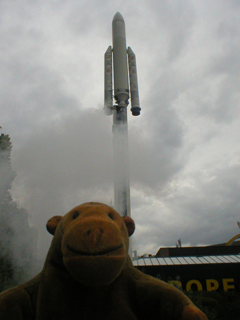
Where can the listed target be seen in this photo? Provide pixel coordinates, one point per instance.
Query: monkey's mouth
(94, 253)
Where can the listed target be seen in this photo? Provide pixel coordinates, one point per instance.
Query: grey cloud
(31, 101)
(155, 155)
(200, 215)
(208, 205)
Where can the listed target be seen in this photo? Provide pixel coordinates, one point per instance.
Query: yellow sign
(211, 284)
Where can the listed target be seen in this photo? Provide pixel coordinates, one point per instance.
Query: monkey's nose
(95, 236)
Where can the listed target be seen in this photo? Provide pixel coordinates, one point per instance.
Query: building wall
(221, 277)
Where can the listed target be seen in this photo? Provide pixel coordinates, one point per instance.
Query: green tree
(17, 238)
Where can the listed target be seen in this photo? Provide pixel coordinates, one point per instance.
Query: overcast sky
(184, 147)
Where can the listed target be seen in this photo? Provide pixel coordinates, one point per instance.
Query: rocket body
(121, 87)
(123, 60)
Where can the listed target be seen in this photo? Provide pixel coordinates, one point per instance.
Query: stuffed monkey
(88, 274)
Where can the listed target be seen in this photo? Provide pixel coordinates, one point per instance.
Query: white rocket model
(120, 68)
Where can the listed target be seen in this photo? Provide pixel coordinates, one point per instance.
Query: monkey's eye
(111, 216)
(75, 215)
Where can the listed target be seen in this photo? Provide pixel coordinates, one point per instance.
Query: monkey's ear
(130, 225)
(53, 223)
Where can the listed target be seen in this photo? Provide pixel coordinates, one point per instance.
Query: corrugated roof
(157, 261)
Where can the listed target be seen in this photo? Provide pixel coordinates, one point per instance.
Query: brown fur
(89, 275)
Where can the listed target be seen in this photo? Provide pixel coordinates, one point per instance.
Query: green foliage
(5, 143)
(6, 273)
(17, 239)
(6, 173)
(217, 305)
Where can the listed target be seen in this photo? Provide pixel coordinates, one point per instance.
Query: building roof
(191, 260)
(198, 251)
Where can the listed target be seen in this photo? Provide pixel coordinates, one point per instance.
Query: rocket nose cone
(118, 16)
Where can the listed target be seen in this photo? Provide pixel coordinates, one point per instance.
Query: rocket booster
(119, 67)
